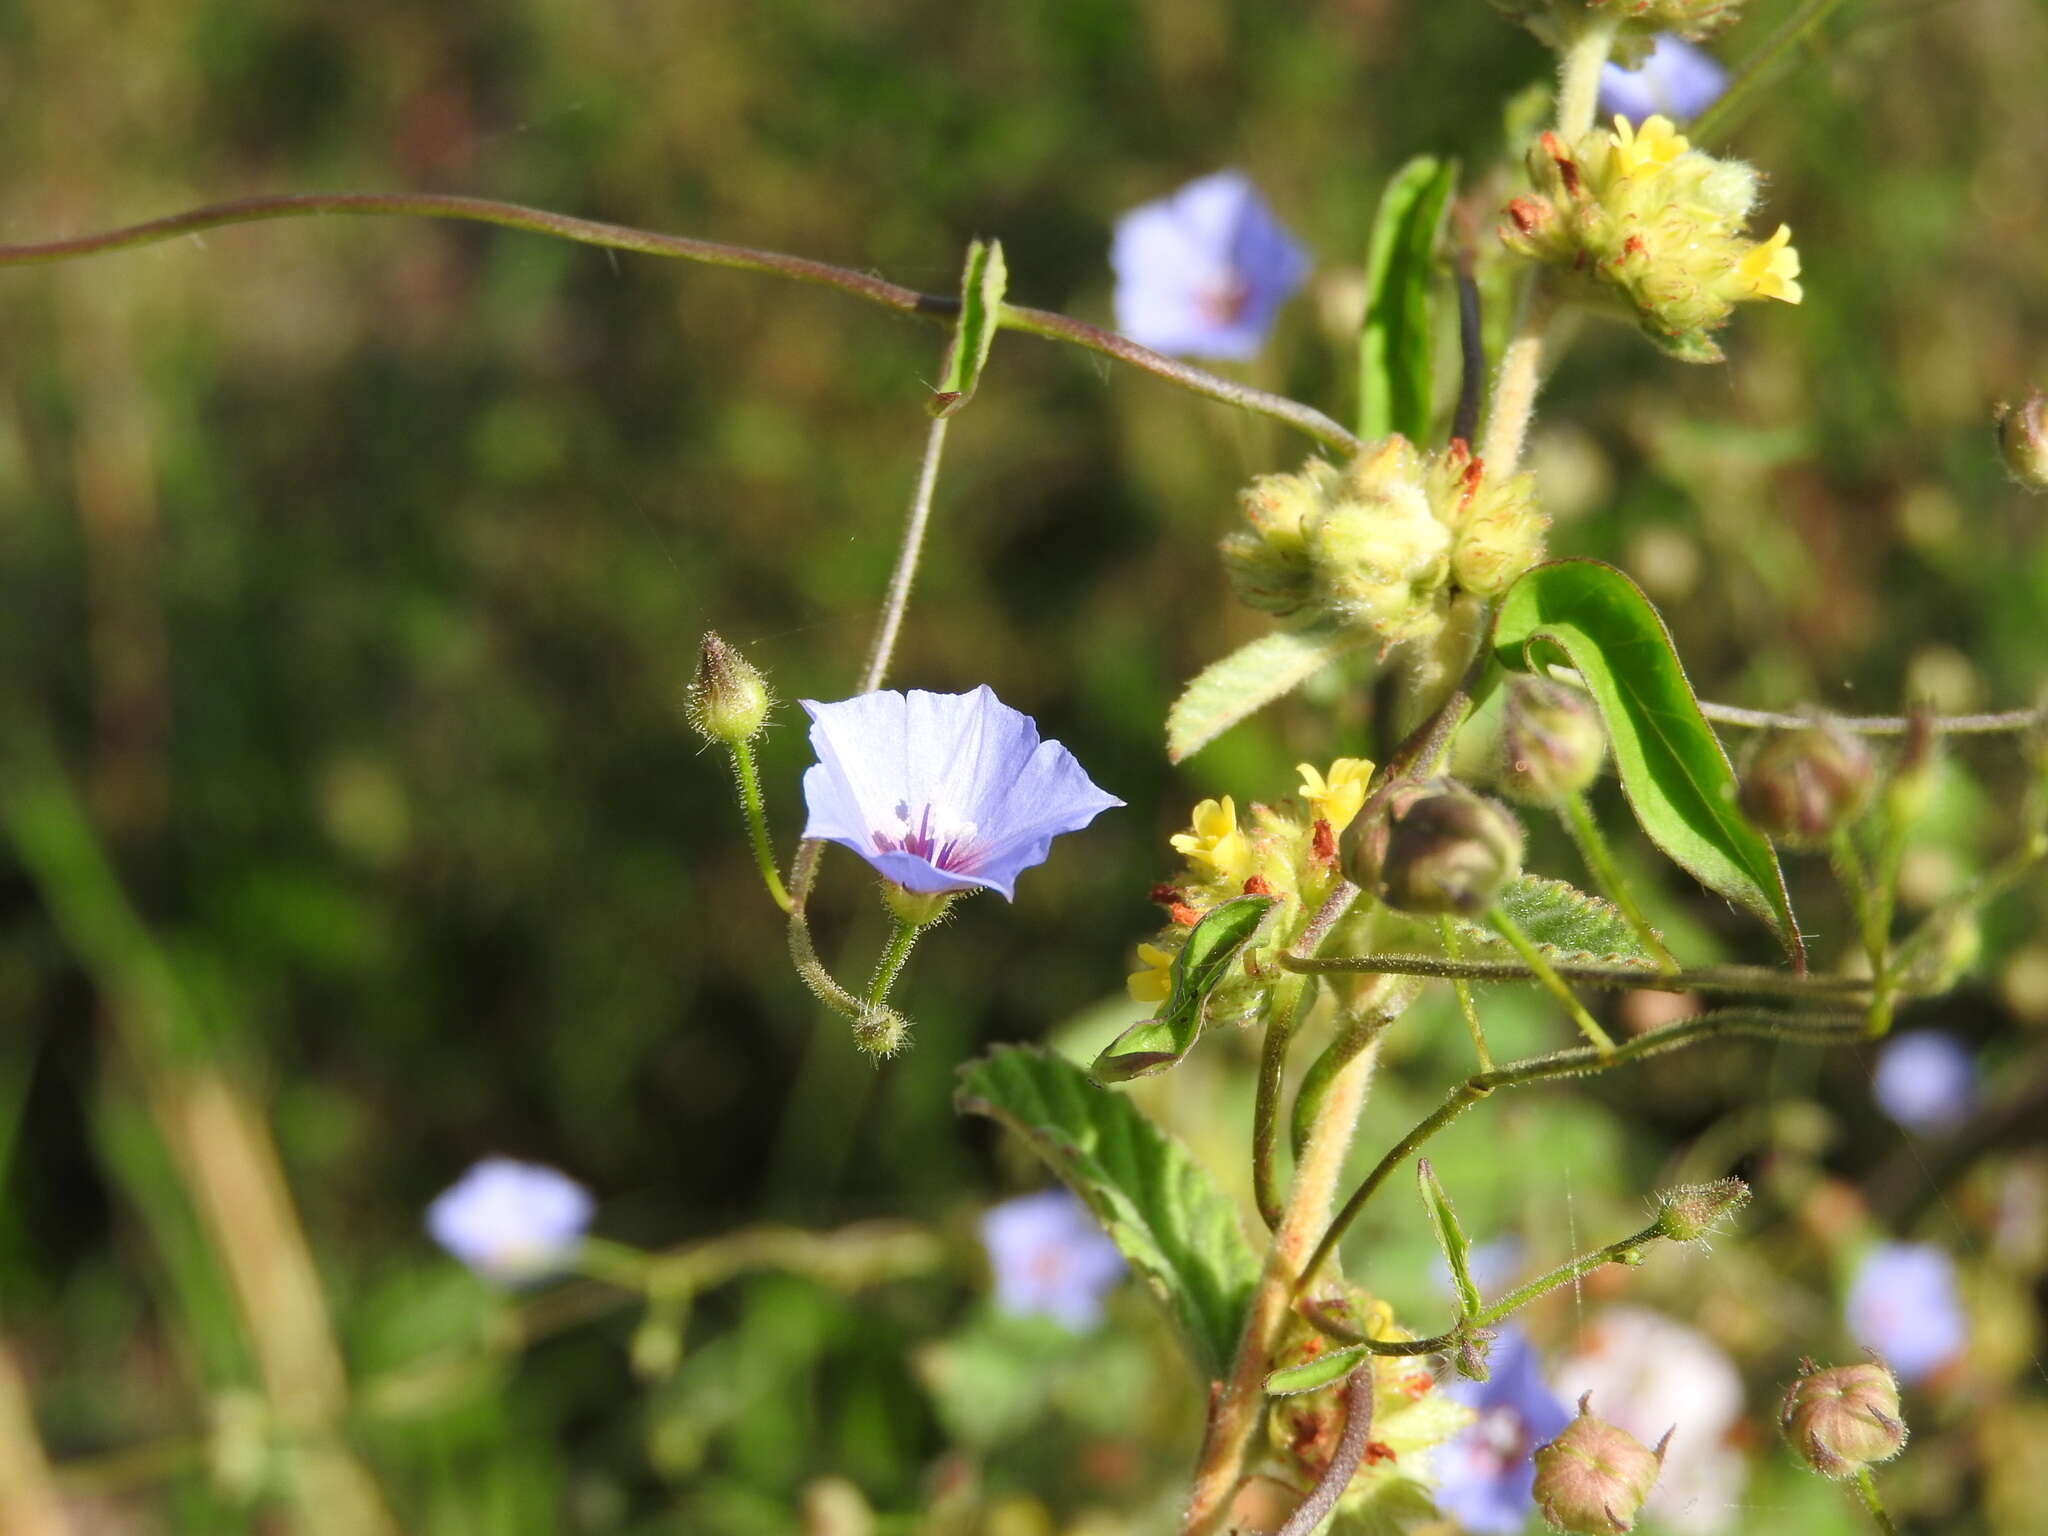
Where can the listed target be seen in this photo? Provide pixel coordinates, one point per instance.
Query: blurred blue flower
(1050, 1259)
(1203, 271)
(1677, 79)
(1486, 1476)
(511, 1222)
(1903, 1304)
(942, 791)
(1925, 1080)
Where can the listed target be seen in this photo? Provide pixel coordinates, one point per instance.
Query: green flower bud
(1380, 554)
(920, 909)
(1594, 1477)
(728, 698)
(1551, 742)
(1841, 1420)
(1803, 786)
(1692, 1213)
(1449, 851)
(2023, 441)
(1268, 564)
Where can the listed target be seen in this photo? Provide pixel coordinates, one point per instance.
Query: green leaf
(1564, 922)
(1676, 777)
(1394, 353)
(1248, 679)
(1175, 1227)
(1157, 1043)
(981, 305)
(1326, 1370)
(1450, 1237)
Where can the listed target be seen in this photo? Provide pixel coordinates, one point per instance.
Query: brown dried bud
(1803, 786)
(1594, 1477)
(1842, 1419)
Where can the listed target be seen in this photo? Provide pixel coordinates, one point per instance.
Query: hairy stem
(1532, 957)
(1754, 979)
(1288, 1003)
(1877, 725)
(1585, 831)
(1344, 1460)
(620, 237)
(1520, 377)
(898, 599)
(902, 939)
(1463, 989)
(1866, 1486)
(1578, 73)
(748, 778)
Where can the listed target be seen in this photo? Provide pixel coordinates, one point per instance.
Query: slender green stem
(1287, 1004)
(902, 939)
(1754, 979)
(748, 778)
(1463, 989)
(1578, 74)
(1877, 725)
(1821, 1030)
(1532, 957)
(898, 599)
(619, 237)
(1614, 1253)
(1866, 1485)
(1593, 848)
(1710, 125)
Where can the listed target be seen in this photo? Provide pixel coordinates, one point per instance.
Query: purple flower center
(934, 836)
(1224, 303)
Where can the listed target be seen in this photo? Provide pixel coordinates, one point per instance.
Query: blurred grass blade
(1395, 355)
(981, 306)
(1177, 1229)
(1250, 678)
(1204, 961)
(1565, 923)
(1673, 770)
(1450, 1237)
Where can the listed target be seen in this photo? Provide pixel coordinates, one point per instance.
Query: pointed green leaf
(981, 305)
(1564, 922)
(1157, 1043)
(1450, 1237)
(1248, 679)
(1326, 1370)
(1179, 1232)
(1395, 366)
(1673, 770)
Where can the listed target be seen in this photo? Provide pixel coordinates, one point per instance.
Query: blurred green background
(354, 569)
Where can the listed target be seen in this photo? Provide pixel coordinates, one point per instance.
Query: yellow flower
(1215, 842)
(1154, 984)
(1772, 269)
(1337, 799)
(1651, 147)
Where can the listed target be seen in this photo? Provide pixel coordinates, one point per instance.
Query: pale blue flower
(1677, 79)
(511, 1222)
(1925, 1080)
(942, 791)
(1486, 1475)
(1203, 271)
(1050, 1259)
(1903, 1304)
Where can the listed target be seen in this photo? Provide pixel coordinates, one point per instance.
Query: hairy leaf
(1327, 1369)
(1175, 1227)
(1562, 921)
(1157, 1043)
(1394, 349)
(981, 305)
(1672, 768)
(1248, 679)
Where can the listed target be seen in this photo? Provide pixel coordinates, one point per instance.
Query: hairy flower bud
(1449, 851)
(1268, 563)
(2023, 440)
(1843, 1419)
(728, 698)
(1692, 1213)
(1551, 742)
(1380, 554)
(1803, 786)
(1594, 1477)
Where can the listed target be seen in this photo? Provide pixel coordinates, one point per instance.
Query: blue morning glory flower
(511, 1222)
(1486, 1476)
(942, 791)
(1050, 1259)
(1203, 271)
(1903, 1304)
(1925, 1080)
(1677, 80)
